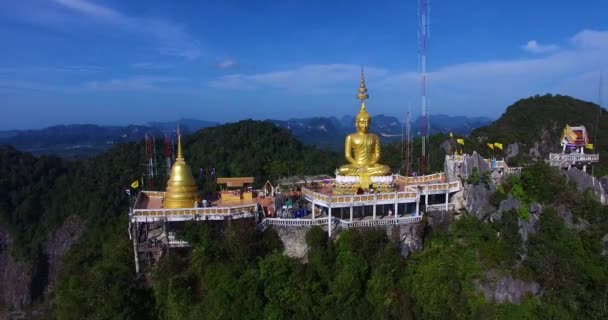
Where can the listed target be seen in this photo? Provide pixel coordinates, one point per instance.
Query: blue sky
(120, 62)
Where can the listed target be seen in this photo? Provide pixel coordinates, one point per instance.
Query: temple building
(574, 140)
(363, 193)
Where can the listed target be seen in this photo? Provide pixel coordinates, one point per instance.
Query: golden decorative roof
(181, 187)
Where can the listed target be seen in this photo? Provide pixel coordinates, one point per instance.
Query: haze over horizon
(118, 62)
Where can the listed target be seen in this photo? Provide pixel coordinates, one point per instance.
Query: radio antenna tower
(168, 154)
(408, 144)
(151, 157)
(423, 37)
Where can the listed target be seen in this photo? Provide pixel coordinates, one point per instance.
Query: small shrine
(574, 141)
(236, 188)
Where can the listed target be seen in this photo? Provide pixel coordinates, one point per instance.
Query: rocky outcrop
(15, 277)
(21, 281)
(512, 151)
(505, 206)
(294, 240)
(478, 200)
(501, 289)
(447, 147)
(529, 227)
(586, 181)
(535, 153)
(457, 170)
(58, 243)
(409, 237)
(570, 220)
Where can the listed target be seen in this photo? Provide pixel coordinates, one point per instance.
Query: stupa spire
(362, 94)
(181, 186)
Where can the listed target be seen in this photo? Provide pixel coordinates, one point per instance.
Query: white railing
(421, 179)
(249, 208)
(294, 222)
(439, 207)
(379, 222)
(572, 158)
(513, 170)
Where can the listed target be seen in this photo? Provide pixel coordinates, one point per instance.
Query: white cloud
(309, 79)
(136, 83)
(486, 86)
(534, 47)
(171, 38)
(225, 64)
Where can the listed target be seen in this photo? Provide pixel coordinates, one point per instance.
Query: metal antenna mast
(423, 36)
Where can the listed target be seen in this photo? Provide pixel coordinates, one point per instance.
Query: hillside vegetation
(541, 119)
(236, 272)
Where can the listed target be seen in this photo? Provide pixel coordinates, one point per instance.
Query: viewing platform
(148, 208)
(568, 160)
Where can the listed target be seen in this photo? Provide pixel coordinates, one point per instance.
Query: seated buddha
(362, 149)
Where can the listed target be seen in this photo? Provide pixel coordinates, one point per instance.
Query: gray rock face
(571, 221)
(512, 151)
(58, 243)
(439, 218)
(294, 240)
(586, 181)
(456, 170)
(478, 200)
(604, 182)
(15, 277)
(446, 146)
(530, 227)
(505, 206)
(506, 288)
(535, 153)
(410, 237)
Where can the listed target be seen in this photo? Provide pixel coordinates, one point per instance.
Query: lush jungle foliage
(236, 272)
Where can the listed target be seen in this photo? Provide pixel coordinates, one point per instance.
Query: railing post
(374, 211)
(352, 199)
(329, 220)
(447, 198)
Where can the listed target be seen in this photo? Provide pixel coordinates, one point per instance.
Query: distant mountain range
(84, 140)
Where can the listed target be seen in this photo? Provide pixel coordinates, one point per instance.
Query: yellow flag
(460, 141)
(498, 145)
(451, 135)
(135, 184)
(589, 146)
(491, 146)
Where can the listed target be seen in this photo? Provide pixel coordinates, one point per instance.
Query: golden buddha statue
(181, 187)
(362, 149)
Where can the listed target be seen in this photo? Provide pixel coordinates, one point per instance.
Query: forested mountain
(537, 123)
(85, 140)
(236, 272)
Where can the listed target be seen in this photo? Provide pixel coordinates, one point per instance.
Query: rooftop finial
(362, 95)
(180, 155)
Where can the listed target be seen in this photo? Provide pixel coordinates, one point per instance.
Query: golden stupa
(181, 187)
